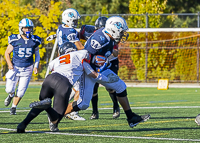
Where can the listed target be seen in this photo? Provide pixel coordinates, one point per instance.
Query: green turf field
(172, 119)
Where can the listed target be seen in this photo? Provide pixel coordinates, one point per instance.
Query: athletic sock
(129, 114)
(94, 103)
(114, 99)
(52, 114)
(32, 114)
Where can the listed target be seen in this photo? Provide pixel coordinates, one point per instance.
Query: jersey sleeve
(95, 43)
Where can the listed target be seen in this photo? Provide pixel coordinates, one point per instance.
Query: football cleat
(21, 128)
(7, 100)
(94, 116)
(136, 119)
(43, 104)
(116, 113)
(53, 127)
(13, 111)
(197, 119)
(74, 116)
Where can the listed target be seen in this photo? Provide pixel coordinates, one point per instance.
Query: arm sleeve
(37, 57)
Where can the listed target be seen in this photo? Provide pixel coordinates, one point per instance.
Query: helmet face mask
(28, 24)
(70, 17)
(66, 48)
(116, 26)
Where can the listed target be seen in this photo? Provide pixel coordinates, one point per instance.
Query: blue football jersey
(66, 34)
(23, 50)
(100, 44)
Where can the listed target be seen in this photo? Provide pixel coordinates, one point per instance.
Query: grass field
(172, 119)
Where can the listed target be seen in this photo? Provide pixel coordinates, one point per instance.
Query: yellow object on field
(163, 84)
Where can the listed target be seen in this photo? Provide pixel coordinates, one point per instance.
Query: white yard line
(107, 136)
(162, 107)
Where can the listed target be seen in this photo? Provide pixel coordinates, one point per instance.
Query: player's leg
(60, 103)
(22, 87)
(74, 115)
(116, 110)
(95, 112)
(57, 86)
(46, 91)
(10, 89)
(120, 88)
(86, 86)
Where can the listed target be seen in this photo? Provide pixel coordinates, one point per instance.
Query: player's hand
(105, 66)
(10, 67)
(35, 70)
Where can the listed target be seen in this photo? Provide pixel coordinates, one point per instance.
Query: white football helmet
(70, 17)
(116, 26)
(25, 22)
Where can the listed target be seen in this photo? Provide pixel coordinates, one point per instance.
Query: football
(99, 60)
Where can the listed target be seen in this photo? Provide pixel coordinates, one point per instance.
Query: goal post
(160, 53)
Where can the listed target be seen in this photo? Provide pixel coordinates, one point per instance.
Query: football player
(23, 46)
(66, 70)
(67, 33)
(100, 23)
(102, 43)
(85, 32)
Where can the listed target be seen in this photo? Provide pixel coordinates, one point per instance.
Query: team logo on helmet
(118, 25)
(71, 14)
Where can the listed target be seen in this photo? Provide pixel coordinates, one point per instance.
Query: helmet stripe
(27, 23)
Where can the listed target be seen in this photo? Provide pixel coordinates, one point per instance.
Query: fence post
(146, 51)
(198, 50)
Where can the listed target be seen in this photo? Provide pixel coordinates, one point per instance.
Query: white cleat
(74, 116)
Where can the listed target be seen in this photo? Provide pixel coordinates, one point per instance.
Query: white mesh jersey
(69, 65)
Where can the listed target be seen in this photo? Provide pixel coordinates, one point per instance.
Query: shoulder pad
(13, 37)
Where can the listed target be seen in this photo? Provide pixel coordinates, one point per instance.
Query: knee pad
(122, 94)
(75, 106)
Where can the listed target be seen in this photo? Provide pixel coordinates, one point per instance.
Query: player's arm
(7, 56)
(79, 45)
(37, 60)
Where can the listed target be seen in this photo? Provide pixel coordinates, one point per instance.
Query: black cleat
(136, 119)
(7, 100)
(95, 116)
(21, 128)
(43, 104)
(12, 111)
(53, 127)
(116, 113)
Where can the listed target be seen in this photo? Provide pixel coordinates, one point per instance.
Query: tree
(12, 11)
(93, 7)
